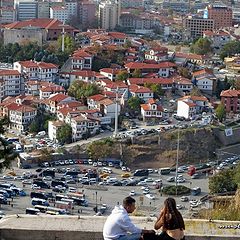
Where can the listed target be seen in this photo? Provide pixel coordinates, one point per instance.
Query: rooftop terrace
(46, 227)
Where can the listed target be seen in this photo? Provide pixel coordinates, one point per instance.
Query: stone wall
(45, 227)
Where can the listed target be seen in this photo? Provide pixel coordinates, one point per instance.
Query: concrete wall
(22, 35)
(45, 227)
(234, 139)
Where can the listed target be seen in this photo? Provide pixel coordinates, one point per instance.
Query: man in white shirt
(118, 225)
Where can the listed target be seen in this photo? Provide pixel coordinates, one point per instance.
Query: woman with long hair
(170, 221)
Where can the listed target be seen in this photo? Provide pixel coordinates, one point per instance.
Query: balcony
(46, 227)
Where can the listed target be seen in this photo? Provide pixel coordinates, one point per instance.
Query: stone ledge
(45, 227)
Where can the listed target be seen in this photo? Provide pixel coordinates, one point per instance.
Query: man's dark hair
(128, 201)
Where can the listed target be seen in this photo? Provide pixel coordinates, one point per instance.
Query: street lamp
(96, 201)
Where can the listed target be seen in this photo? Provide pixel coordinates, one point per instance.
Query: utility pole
(176, 178)
(116, 115)
(63, 37)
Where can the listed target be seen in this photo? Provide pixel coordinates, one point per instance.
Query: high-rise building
(7, 15)
(72, 7)
(87, 12)
(222, 15)
(109, 14)
(26, 9)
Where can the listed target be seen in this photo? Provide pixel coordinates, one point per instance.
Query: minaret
(116, 115)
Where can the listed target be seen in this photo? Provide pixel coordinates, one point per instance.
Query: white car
(132, 193)
(35, 186)
(124, 168)
(150, 196)
(72, 189)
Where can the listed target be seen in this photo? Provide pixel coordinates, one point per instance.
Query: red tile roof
(97, 97)
(139, 89)
(81, 54)
(190, 104)
(194, 98)
(52, 89)
(142, 81)
(7, 72)
(58, 97)
(138, 65)
(147, 107)
(202, 72)
(115, 85)
(117, 35)
(190, 56)
(46, 65)
(111, 70)
(85, 73)
(106, 102)
(72, 104)
(43, 23)
(230, 93)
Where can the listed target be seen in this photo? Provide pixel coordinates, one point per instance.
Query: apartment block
(222, 15)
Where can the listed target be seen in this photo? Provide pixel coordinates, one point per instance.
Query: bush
(171, 190)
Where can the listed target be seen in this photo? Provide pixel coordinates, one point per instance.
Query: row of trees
(31, 50)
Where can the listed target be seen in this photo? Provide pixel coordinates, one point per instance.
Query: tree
(156, 88)
(134, 103)
(64, 134)
(34, 127)
(7, 153)
(137, 73)
(229, 49)
(82, 90)
(122, 76)
(100, 149)
(195, 92)
(202, 46)
(184, 72)
(220, 112)
(223, 182)
(69, 45)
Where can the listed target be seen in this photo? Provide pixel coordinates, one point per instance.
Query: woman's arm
(159, 223)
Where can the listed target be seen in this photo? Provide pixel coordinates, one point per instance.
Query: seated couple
(119, 226)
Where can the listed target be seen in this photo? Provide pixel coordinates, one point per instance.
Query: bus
(141, 172)
(41, 195)
(80, 201)
(38, 201)
(164, 171)
(55, 183)
(44, 209)
(32, 211)
(63, 205)
(41, 184)
(71, 173)
(76, 195)
(196, 191)
(59, 197)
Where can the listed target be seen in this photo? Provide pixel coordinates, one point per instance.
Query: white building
(186, 109)
(33, 70)
(11, 83)
(189, 106)
(109, 14)
(143, 93)
(151, 111)
(53, 127)
(20, 116)
(83, 125)
(81, 60)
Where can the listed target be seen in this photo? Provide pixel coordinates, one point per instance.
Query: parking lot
(105, 192)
